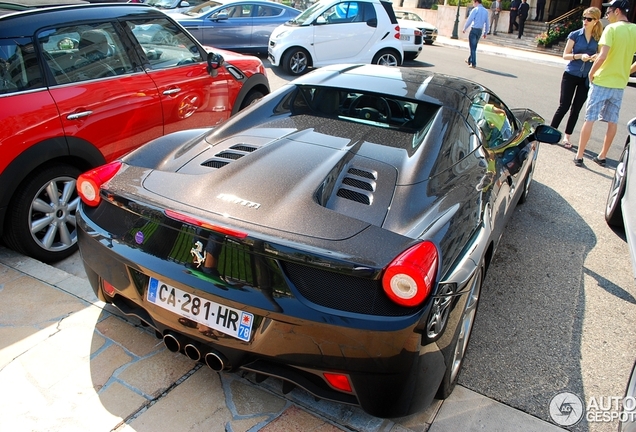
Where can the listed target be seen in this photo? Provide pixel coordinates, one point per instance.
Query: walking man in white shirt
(478, 20)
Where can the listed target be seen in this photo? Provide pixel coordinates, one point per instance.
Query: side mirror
(547, 134)
(184, 4)
(321, 20)
(221, 16)
(631, 126)
(373, 22)
(215, 61)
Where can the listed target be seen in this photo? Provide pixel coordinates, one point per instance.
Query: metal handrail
(565, 16)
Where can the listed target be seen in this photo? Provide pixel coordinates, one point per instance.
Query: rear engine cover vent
(358, 185)
(223, 158)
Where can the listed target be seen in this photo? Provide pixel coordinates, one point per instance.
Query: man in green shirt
(608, 77)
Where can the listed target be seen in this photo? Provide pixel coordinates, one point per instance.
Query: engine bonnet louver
(233, 153)
(358, 185)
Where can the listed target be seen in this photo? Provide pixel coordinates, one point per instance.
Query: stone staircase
(527, 42)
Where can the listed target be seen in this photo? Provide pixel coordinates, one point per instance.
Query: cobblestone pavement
(71, 363)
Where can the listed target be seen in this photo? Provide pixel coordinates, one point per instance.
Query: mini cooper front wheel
(41, 222)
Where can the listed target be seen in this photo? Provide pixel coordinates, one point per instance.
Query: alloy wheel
(466, 325)
(52, 215)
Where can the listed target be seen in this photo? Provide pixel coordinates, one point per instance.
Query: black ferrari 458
(335, 234)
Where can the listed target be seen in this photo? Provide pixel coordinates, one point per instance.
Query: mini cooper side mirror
(215, 61)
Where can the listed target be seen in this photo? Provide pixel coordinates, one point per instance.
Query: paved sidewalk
(487, 46)
(70, 363)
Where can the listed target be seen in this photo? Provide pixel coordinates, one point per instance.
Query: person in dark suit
(514, 7)
(523, 10)
(540, 9)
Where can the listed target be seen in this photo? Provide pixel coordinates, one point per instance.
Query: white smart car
(336, 31)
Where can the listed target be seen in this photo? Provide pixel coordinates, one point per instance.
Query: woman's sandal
(567, 144)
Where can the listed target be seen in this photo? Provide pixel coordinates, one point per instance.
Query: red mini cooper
(83, 85)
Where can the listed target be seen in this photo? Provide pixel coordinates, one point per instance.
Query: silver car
(243, 26)
(174, 5)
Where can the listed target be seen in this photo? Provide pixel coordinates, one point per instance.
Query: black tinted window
(84, 52)
(19, 67)
(164, 44)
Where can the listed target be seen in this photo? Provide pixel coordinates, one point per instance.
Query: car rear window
(388, 7)
(374, 109)
(84, 52)
(19, 66)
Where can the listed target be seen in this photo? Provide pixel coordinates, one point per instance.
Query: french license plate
(405, 37)
(225, 319)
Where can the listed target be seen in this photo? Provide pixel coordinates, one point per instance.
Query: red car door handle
(172, 91)
(78, 115)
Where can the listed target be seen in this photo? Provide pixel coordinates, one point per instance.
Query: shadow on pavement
(527, 316)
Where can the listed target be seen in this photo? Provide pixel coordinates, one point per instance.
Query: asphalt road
(557, 309)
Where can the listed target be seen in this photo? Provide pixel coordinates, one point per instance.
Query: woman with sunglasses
(581, 49)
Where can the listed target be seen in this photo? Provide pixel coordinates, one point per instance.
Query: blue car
(242, 26)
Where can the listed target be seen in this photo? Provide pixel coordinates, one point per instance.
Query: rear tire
(613, 210)
(251, 98)
(41, 222)
(387, 57)
(460, 342)
(526, 185)
(295, 61)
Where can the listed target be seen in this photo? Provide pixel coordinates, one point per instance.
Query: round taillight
(409, 279)
(88, 184)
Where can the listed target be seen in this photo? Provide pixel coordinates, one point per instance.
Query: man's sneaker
(578, 162)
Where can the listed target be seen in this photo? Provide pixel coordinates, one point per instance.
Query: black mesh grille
(354, 196)
(214, 163)
(418, 40)
(240, 150)
(343, 292)
(360, 184)
(361, 173)
(230, 155)
(244, 148)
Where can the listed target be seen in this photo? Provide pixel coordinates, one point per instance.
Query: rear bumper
(390, 372)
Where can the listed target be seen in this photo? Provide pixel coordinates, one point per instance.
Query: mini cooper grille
(223, 158)
(343, 292)
(358, 185)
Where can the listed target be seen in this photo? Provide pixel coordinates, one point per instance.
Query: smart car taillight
(88, 184)
(397, 32)
(409, 278)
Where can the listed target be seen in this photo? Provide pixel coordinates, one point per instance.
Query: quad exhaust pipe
(215, 360)
(192, 352)
(173, 342)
